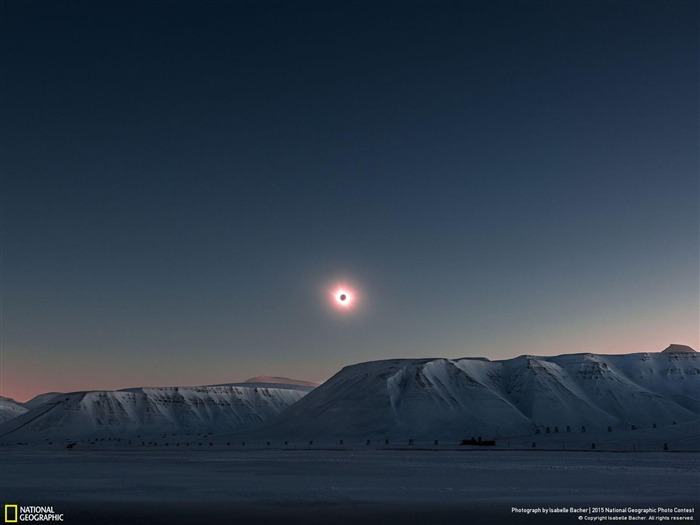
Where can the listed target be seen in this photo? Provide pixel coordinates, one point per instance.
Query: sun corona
(343, 298)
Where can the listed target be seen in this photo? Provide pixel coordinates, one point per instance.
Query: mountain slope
(151, 411)
(40, 400)
(443, 398)
(9, 409)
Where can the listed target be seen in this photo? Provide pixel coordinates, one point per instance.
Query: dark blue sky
(182, 183)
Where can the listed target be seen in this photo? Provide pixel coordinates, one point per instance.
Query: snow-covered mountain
(9, 408)
(151, 411)
(453, 399)
(442, 399)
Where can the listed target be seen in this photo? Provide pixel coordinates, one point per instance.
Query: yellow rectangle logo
(9, 508)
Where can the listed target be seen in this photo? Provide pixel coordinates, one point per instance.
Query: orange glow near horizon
(22, 386)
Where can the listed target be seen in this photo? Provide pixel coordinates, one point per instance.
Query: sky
(185, 184)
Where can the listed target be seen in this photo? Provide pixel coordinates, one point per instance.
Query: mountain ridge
(451, 398)
(423, 398)
(152, 411)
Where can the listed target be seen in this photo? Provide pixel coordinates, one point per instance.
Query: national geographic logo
(11, 513)
(16, 514)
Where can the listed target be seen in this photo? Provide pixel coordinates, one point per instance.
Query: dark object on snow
(481, 443)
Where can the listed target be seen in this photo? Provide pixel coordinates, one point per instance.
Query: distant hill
(280, 381)
(678, 349)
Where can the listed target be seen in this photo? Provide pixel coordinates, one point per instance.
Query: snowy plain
(118, 486)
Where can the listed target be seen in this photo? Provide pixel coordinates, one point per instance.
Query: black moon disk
(343, 296)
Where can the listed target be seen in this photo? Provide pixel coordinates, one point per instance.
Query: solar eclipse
(343, 297)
